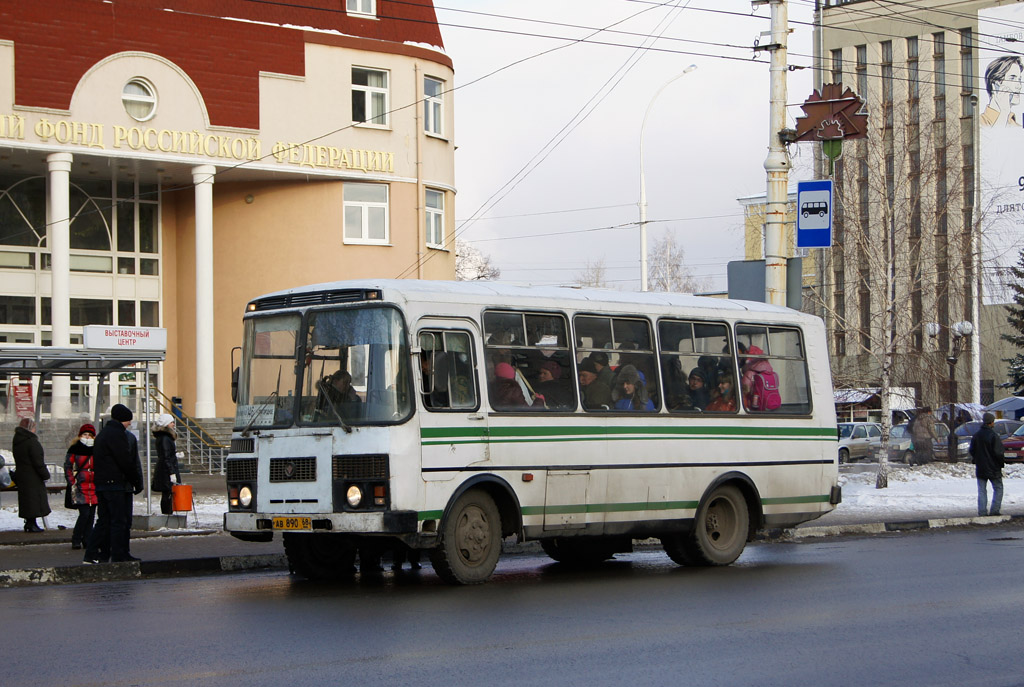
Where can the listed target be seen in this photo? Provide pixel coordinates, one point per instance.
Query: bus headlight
(245, 496)
(354, 496)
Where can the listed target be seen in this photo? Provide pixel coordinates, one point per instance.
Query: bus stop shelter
(46, 362)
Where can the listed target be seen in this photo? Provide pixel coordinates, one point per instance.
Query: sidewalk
(917, 499)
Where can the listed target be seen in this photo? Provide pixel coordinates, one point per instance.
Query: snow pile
(933, 490)
(209, 510)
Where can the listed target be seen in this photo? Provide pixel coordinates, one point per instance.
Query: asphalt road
(926, 608)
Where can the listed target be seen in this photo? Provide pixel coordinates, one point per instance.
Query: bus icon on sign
(819, 209)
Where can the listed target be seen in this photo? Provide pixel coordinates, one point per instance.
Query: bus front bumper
(385, 522)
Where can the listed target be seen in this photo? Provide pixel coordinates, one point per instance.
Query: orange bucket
(181, 497)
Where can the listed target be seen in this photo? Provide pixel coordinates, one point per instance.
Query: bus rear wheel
(470, 540)
(320, 556)
(580, 552)
(719, 531)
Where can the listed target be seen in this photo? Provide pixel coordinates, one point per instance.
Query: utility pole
(777, 163)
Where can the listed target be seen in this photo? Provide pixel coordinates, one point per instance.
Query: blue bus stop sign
(814, 214)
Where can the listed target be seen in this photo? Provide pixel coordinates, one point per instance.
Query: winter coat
(31, 475)
(80, 475)
(166, 460)
(987, 453)
(751, 368)
(115, 459)
(506, 393)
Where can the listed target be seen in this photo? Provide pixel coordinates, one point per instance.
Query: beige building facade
(168, 179)
(906, 265)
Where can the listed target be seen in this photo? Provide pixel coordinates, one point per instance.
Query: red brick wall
(57, 41)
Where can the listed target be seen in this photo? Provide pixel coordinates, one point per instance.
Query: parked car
(1013, 446)
(901, 444)
(1004, 428)
(858, 440)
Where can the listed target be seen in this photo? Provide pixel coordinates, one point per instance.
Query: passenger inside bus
(630, 392)
(596, 394)
(552, 385)
(505, 390)
(723, 399)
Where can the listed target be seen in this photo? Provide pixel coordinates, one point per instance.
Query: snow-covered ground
(936, 490)
(209, 510)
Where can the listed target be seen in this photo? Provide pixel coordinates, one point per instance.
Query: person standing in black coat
(31, 475)
(118, 475)
(166, 474)
(987, 456)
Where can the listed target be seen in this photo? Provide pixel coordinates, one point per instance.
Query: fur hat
(628, 374)
(86, 428)
(504, 371)
(121, 413)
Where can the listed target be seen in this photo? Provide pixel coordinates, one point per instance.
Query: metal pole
(777, 163)
(643, 184)
(149, 462)
(951, 439)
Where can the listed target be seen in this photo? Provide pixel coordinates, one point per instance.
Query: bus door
(453, 426)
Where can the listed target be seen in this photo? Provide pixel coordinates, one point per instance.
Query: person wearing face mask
(81, 489)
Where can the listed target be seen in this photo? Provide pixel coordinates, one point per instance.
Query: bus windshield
(266, 379)
(356, 368)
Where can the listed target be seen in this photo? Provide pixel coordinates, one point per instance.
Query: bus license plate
(293, 523)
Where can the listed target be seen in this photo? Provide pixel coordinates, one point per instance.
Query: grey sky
(705, 142)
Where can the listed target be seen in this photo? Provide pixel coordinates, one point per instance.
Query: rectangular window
(605, 348)
(17, 310)
(367, 7)
(694, 356)
(529, 364)
(89, 311)
(366, 213)
(887, 77)
(837, 65)
(91, 263)
(773, 370)
(967, 70)
(862, 75)
(149, 314)
(17, 261)
(435, 218)
(433, 106)
(448, 372)
(126, 313)
(939, 67)
(369, 96)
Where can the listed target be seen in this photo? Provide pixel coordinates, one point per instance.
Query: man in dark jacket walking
(987, 456)
(118, 475)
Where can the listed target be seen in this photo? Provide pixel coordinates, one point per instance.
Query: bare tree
(593, 275)
(473, 265)
(902, 254)
(668, 270)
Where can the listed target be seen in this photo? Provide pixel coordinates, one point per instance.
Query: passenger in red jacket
(81, 489)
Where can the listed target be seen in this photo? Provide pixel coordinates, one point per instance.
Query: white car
(858, 440)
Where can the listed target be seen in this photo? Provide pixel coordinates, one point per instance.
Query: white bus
(446, 416)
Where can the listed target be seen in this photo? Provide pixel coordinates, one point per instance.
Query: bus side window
(447, 371)
(773, 369)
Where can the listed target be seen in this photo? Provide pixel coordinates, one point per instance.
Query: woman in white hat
(166, 472)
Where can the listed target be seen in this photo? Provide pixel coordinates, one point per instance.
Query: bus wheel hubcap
(473, 535)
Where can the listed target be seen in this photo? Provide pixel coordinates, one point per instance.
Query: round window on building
(139, 98)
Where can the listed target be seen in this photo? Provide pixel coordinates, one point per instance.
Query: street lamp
(961, 332)
(643, 186)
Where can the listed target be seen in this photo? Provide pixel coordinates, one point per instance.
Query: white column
(202, 177)
(59, 241)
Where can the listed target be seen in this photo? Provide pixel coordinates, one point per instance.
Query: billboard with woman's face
(1001, 67)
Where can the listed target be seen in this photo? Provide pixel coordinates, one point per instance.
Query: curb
(110, 572)
(882, 527)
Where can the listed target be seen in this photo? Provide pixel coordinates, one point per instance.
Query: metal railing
(201, 448)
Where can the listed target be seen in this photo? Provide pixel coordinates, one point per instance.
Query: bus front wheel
(719, 531)
(470, 540)
(320, 556)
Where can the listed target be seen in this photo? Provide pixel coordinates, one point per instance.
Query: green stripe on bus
(572, 509)
(603, 431)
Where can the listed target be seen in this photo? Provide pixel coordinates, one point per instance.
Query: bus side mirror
(234, 374)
